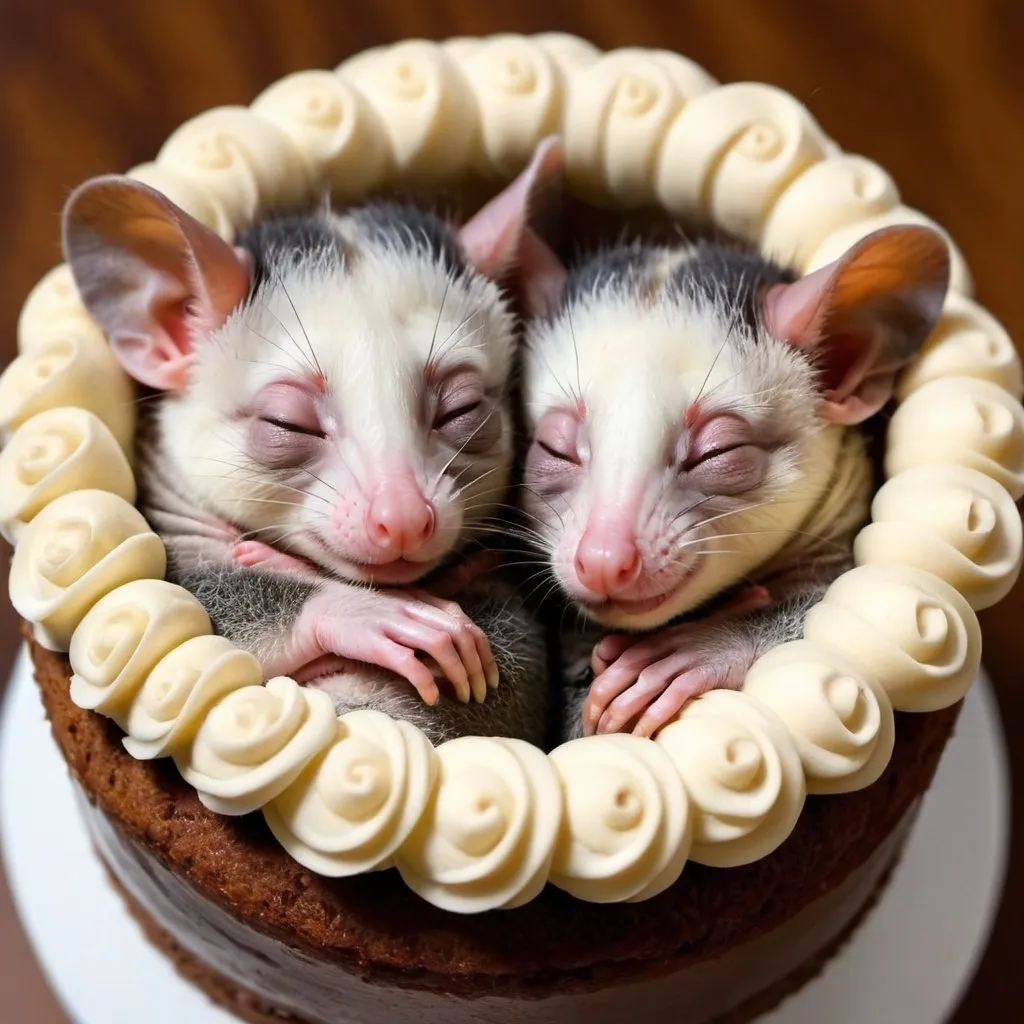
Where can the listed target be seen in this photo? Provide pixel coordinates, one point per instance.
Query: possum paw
(390, 629)
(256, 555)
(645, 682)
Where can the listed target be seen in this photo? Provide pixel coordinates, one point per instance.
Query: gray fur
(517, 708)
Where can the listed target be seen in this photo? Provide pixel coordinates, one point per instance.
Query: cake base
(932, 921)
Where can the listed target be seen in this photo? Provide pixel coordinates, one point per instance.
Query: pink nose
(607, 564)
(400, 520)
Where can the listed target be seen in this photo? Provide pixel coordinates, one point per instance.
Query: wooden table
(931, 89)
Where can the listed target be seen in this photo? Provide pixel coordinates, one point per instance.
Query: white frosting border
(606, 818)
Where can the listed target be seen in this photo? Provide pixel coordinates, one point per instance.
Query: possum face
(354, 408)
(686, 408)
(337, 384)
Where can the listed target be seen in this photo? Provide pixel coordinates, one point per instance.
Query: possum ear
(499, 239)
(864, 317)
(153, 277)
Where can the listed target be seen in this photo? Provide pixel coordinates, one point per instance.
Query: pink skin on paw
(256, 555)
(648, 680)
(388, 629)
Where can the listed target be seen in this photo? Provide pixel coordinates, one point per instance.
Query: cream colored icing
(357, 802)
(81, 546)
(486, 836)
(828, 196)
(742, 773)
(617, 111)
(460, 47)
(839, 718)
(844, 238)
(951, 521)
(183, 191)
(569, 52)
(959, 420)
(628, 825)
(54, 308)
(732, 151)
(968, 342)
(424, 104)
(244, 163)
(70, 368)
(254, 742)
(179, 689)
(333, 126)
(123, 636)
(909, 630)
(57, 451)
(519, 92)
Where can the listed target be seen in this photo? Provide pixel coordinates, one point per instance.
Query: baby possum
(333, 426)
(696, 474)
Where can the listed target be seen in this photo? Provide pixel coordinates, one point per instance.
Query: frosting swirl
(519, 92)
(244, 164)
(486, 836)
(617, 113)
(951, 521)
(423, 103)
(569, 52)
(69, 368)
(54, 308)
(123, 636)
(54, 452)
(732, 151)
(910, 631)
(828, 196)
(838, 242)
(742, 774)
(628, 825)
(80, 547)
(337, 131)
(839, 718)
(254, 742)
(165, 713)
(968, 422)
(357, 802)
(186, 193)
(968, 342)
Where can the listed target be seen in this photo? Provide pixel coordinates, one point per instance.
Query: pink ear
(863, 317)
(499, 239)
(153, 277)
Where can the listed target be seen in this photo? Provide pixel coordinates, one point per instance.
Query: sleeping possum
(332, 427)
(696, 473)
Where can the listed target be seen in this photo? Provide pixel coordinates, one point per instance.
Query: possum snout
(607, 562)
(400, 519)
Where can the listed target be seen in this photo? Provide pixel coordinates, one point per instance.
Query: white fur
(635, 367)
(369, 327)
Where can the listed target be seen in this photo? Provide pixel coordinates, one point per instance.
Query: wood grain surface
(931, 89)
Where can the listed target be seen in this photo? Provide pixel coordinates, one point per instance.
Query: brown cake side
(554, 944)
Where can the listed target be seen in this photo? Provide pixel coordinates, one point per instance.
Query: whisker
(298, 320)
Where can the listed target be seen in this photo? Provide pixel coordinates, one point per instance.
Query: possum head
(686, 407)
(335, 384)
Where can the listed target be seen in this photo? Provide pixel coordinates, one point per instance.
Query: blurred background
(933, 90)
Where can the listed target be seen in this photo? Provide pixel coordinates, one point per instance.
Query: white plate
(909, 962)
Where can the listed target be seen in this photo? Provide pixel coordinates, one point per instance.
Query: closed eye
(556, 454)
(711, 453)
(449, 416)
(293, 428)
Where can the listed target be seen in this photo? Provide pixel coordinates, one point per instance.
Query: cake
(303, 867)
